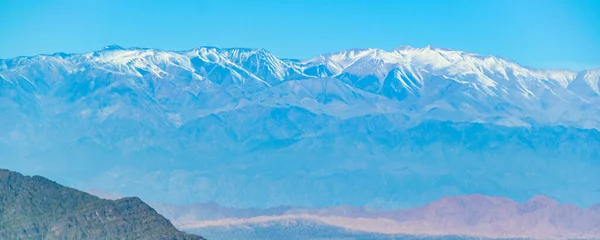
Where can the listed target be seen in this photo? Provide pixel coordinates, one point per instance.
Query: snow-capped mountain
(436, 122)
(425, 83)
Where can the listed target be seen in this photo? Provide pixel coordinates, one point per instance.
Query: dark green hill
(37, 208)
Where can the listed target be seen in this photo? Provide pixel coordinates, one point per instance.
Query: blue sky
(538, 33)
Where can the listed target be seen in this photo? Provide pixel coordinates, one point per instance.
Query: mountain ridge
(425, 78)
(38, 208)
(474, 216)
(433, 121)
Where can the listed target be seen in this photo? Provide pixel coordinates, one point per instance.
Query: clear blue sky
(538, 33)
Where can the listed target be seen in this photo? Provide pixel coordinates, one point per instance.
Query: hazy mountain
(37, 208)
(242, 127)
(297, 229)
(468, 216)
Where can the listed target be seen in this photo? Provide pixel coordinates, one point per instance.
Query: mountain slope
(37, 208)
(174, 87)
(467, 216)
(244, 128)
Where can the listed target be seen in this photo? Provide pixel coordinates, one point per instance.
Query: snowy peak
(586, 84)
(483, 70)
(135, 62)
(113, 47)
(434, 83)
(260, 63)
(591, 78)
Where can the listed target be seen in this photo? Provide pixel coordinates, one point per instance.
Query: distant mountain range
(244, 128)
(166, 88)
(37, 208)
(468, 216)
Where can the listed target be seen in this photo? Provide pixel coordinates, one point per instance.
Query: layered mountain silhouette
(245, 128)
(469, 216)
(37, 208)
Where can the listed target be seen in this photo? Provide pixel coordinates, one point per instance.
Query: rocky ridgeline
(37, 208)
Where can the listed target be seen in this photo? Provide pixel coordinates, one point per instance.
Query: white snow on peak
(592, 76)
(131, 61)
(485, 70)
(259, 61)
(588, 79)
(112, 47)
(417, 77)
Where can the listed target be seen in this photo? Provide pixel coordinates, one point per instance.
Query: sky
(535, 33)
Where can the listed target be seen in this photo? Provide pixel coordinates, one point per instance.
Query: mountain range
(422, 84)
(37, 208)
(468, 216)
(244, 128)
